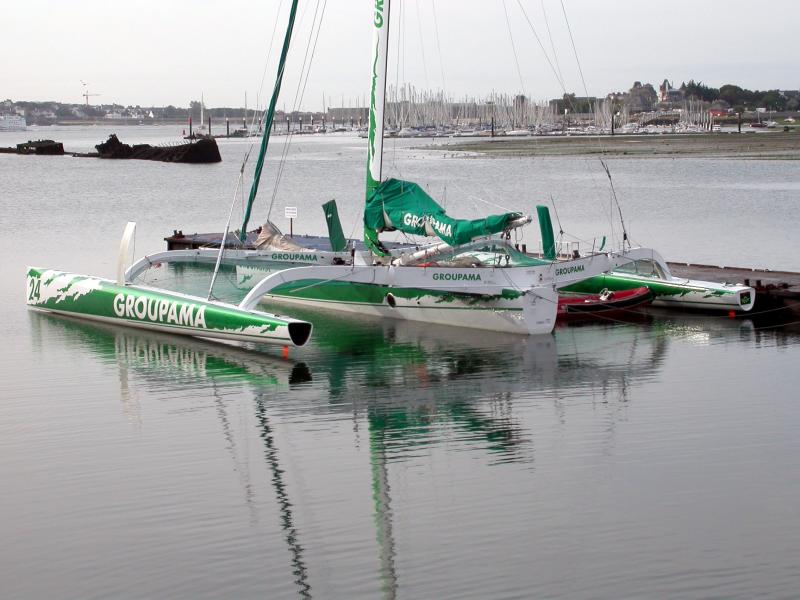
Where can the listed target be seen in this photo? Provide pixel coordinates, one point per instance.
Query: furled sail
(404, 206)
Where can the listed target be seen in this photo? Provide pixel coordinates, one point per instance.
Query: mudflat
(750, 145)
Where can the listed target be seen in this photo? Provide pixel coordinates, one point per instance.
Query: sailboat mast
(268, 121)
(380, 54)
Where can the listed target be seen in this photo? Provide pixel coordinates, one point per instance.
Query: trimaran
(469, 279)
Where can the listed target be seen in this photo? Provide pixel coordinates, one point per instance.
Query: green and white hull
(485, 299)
(670, 291)
(103, 300)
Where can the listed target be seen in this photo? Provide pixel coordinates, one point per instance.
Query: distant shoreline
(751, 145)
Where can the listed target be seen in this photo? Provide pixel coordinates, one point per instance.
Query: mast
(380, 53)
(268, 123)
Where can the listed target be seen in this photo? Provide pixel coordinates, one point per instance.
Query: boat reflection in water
(165, 361)
(414, 387)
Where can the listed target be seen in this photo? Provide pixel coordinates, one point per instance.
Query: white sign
(290, 212)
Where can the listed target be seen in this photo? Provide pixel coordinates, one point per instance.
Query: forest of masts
(407, 106)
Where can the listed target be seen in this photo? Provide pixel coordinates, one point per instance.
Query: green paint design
(371, 183)
(616, 282)
(365, 293)
(91, 296)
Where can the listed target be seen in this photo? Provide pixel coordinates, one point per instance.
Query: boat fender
(390, 300)
(606, 294)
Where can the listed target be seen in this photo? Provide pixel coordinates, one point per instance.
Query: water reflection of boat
(165, 361)
(428, 368)
(413, 387)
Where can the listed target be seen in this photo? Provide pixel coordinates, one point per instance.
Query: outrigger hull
(103, 300)
(674, 292)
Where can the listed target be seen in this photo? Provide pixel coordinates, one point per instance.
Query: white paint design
(61, 287)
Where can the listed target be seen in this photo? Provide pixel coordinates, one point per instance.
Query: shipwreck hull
(200, 151)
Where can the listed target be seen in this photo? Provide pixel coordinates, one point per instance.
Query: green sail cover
(404, 206)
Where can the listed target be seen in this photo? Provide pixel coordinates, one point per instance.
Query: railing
(563, 249)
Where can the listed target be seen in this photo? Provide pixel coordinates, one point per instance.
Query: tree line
(740, 99)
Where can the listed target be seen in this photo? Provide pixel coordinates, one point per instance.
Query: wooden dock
(774, 289)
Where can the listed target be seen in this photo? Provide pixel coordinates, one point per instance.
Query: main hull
(474, 298)
(501, 316)
(103, 300)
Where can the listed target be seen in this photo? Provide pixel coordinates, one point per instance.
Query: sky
(156, 53)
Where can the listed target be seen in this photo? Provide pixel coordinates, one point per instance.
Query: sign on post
(291, 213)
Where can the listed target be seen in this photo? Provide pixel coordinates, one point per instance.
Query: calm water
(652, 460)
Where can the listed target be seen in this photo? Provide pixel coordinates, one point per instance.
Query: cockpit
(486, 253)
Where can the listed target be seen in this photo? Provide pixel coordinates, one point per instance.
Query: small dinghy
(606, 303)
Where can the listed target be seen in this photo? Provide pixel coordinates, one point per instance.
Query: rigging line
(541, 45)
(473, 196)
(270, 120)
(616, 201)
(304, 80)
(225, 235)
(397, 104)
(552, 44)
(513, 48)
(490, 203)
(574, 49)
(260, 88)
(741, 316)
(422, 44)
(305, 64)
(669, 317)
(403, 30)
(266, 62)
(438, 45)
(299, 93)
(598, 189)
(586, 89)
(353, 231)
(555, 210)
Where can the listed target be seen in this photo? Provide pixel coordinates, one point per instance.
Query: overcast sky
(159, 52)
